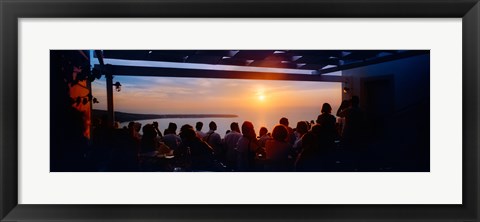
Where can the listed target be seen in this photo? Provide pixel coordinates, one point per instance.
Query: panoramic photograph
(234, 111)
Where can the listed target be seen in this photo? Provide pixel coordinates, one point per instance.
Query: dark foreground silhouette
(330, 144)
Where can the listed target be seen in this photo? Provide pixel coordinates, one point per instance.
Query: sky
(169, 95)
(174, 95)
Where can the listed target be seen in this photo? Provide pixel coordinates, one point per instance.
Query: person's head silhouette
(326, 108)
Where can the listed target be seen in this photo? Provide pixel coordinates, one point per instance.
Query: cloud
(170, 94)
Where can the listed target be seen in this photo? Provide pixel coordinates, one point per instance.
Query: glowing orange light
(261, 97)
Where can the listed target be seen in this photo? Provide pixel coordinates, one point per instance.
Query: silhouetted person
(133, 134)
(341, 119)
(352, 133)
(171, 139)
(263, 136)
(215, 141)
(124, 151)
(327, 123)
(195, 152)
(309, 157)
(345, 105)
(247, 148)
(301, 129)
(230, 143)
(278, 150)
(326, 119)
(137, 127)
(149, 143)
(291, 136)
(148, 156)
(157, 130)
(198, 127)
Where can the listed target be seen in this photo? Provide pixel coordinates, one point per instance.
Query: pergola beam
(108, 77)
(374, 61)
(223, 74)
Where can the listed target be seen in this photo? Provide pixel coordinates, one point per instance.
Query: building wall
(411, 80)
(398, 127)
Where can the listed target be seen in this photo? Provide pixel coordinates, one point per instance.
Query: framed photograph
(314, 110)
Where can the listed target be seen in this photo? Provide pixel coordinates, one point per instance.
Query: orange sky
(164, 95)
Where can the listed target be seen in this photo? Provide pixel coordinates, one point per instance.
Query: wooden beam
(203, 73)
(99, 56)
(375, 61)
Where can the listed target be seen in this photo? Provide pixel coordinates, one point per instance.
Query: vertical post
(109, 78)
(110, 113)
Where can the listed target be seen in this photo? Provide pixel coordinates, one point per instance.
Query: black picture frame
(11, 11)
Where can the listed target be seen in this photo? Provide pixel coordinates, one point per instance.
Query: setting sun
(261, 97)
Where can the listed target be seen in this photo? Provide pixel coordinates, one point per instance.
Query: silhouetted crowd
(310, 146)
